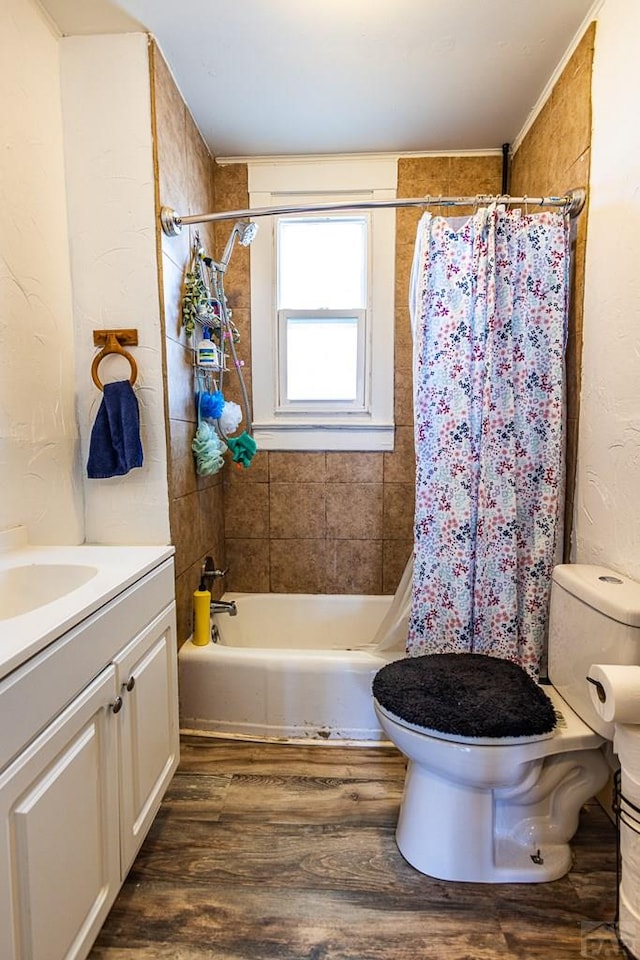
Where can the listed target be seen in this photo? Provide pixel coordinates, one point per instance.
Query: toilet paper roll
(615, 692)
(626, 743)
(630, 852)
(629, 786)
(629, 921)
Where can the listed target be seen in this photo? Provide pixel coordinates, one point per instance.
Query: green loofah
(209, 450)
(243, 448)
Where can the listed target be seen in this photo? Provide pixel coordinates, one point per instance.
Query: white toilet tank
(594, 617)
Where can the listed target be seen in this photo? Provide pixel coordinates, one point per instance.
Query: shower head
(245, 231)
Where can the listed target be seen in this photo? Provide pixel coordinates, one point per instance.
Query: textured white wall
(607, 527)
(40, 481)
(112, 228)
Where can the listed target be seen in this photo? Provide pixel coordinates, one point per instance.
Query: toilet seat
(570, 732)
(465, 697)
(458, 738)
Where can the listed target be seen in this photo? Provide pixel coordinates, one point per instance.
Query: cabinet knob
(130, 684)
(116, 706)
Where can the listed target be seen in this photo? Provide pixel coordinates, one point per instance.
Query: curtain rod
(172, 222)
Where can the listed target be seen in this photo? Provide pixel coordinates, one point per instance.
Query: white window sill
(343, 436)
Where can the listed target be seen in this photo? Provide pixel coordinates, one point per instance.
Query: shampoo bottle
(207, 352)
(201, 616)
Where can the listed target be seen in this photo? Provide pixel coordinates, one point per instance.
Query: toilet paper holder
(600, 691)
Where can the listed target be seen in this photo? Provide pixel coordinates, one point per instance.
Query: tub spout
(224, 606)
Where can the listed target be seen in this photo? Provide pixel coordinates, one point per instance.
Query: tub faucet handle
(210, 572)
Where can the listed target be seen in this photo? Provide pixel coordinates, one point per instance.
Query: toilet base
(515, 834)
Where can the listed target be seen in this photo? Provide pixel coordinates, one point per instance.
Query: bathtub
(287, 667)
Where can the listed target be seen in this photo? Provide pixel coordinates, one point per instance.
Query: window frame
(301, 184)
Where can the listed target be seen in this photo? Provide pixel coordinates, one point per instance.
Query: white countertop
(118, 567)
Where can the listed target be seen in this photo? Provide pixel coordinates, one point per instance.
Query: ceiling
(287, 77)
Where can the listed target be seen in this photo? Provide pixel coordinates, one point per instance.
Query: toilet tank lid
(605, 590)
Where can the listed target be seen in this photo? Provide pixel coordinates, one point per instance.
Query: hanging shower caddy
(205, 308)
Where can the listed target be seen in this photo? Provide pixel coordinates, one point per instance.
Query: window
(322, 308)
(322, 273)
(320, 361)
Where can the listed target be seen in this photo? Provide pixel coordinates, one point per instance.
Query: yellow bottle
(201, 616)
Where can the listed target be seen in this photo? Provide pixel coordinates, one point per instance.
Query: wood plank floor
(283, 852)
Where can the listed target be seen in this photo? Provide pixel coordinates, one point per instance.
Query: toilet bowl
(495, 812)
(503, 810)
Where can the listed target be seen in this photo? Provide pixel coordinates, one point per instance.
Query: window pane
(322, 264)
(322, 358)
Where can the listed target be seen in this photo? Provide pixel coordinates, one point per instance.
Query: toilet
(502, 809)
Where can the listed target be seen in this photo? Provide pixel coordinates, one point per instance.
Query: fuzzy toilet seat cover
(465, 694)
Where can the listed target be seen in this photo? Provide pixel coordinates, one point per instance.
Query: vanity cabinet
(148, 730)
(77, 798)
(59, 847)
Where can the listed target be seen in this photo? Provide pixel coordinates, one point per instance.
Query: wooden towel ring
(111, 341)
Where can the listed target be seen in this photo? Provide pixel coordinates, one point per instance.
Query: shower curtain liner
(489, 312)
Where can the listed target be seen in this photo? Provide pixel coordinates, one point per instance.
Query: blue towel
(115, 446)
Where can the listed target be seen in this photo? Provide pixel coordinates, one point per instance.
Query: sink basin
(28, 587)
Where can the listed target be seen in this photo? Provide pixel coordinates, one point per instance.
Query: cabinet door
(59, 857)
(149, 751)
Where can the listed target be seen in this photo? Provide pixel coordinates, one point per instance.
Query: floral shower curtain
(489, 308)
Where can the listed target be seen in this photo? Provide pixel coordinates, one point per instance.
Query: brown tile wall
(324, 522)
(554, 157)
(184, 181)
(334, 522)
